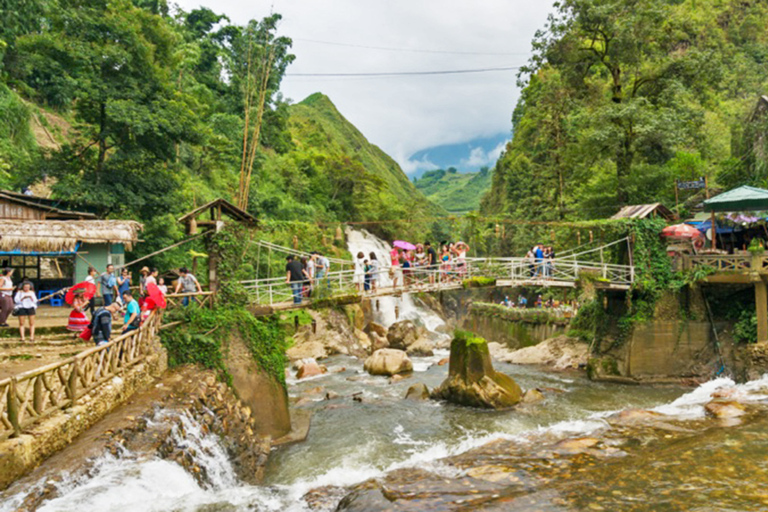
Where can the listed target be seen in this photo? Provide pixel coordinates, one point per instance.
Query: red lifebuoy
(698, 243)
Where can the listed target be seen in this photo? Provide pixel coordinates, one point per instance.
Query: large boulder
(472, 381)
(377, 341)
(402, 335)
(388, 361)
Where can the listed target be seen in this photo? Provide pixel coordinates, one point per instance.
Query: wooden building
(53, 246)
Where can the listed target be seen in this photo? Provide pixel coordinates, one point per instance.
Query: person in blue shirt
(539, 254)
(123, 282)
(132, 313)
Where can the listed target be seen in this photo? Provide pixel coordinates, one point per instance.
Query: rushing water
(354, 440)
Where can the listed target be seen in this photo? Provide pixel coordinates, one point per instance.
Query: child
(161, 285)
(26, 307)
(77, 320)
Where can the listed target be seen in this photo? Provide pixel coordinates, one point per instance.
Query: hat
(144, 269)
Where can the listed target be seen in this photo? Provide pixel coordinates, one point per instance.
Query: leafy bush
(745, 330)
(478, 282)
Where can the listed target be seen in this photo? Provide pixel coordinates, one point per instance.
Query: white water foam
(365, 242)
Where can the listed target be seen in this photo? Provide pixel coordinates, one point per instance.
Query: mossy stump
(472, 381)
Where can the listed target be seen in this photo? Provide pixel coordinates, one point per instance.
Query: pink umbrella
(681, 231)
(406, 246)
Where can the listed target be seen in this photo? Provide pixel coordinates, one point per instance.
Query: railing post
(37, 398)
(72, 382)
(13, 408)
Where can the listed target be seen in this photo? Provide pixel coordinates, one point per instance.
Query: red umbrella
(156, 295)
(681, 231)
(90, 291)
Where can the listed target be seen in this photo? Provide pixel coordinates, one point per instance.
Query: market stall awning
(742, 199)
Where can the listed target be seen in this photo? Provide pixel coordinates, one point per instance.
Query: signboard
(690, 185)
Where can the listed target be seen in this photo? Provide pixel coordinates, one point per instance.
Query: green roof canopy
(740, 199)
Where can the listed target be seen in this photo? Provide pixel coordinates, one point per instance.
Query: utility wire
(409, 50)
(410, 73)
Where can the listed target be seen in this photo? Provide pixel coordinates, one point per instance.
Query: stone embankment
(156, 423)
(560, 353)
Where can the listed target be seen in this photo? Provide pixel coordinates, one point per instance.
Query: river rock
(388, 361)
(561, 353)
(309, 368)
(725, 409)
(402, 335)
(373, 327)
(576, 445)
(378, 341)
(532, 396)
(363, 341)
(306, 349)
(421, 348)
(472, 381)
(417, 392)
(442, 362)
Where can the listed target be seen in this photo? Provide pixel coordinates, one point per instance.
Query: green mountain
(622, 98)
(140, 112)
(455, 191)
(348, 177)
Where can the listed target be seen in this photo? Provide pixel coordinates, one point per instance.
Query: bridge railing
(276, 291)
(31, 396)
(526, 270)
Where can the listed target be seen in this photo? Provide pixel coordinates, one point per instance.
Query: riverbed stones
(418, 391)
(373, 327)
(472, 381)
(309, 368)
(421, 348)
(403, 334)
(388, 361)
(532, 396)
(306, 348)
(724, 409)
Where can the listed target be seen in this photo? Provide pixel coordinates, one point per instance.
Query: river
(368, 430)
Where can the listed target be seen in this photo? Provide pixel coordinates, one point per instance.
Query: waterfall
(365, 242)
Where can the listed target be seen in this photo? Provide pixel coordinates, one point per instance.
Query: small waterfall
(365, 242)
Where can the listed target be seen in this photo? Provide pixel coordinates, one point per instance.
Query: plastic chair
(56, 301)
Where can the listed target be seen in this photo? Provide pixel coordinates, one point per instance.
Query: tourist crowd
(103, 295)
(405, 265)
(541, 261)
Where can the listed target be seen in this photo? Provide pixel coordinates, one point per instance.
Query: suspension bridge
(566, 271)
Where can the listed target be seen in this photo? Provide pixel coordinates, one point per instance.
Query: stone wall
(513, 334)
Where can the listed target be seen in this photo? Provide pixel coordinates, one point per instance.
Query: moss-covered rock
(472, 381)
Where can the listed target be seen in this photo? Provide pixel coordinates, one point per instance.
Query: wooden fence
(31, 396)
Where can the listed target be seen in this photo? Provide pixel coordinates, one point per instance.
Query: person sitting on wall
(132, 313)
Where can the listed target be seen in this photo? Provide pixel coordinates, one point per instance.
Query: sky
(406, 114)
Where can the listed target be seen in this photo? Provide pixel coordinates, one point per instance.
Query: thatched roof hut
(56, 236)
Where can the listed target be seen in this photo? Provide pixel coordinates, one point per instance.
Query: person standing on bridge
(294, 277)
(431, 262)
(375, 269)
(539, 254)
(359, 276)
(396, 271)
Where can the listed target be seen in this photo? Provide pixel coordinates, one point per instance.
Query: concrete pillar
(761, 304)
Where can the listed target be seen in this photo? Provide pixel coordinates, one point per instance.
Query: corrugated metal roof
(641, 211)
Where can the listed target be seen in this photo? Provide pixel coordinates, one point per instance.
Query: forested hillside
(455, 191)
(144, 112)
(623, 97)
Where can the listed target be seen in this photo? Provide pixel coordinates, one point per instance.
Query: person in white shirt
(6, 296)
(26, 307)
(359, 275)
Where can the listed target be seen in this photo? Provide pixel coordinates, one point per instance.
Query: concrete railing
(27, 398)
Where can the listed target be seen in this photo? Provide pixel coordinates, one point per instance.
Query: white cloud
(412, 166)
(406, 114)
